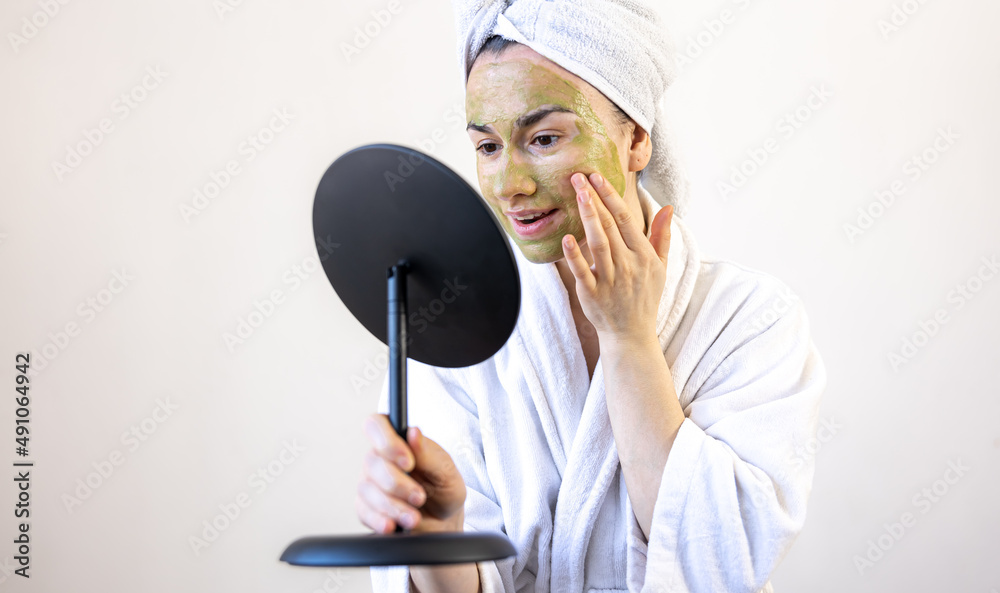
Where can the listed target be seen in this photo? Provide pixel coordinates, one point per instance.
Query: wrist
(628, 342)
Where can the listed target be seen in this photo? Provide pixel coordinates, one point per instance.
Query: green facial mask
(500, 92)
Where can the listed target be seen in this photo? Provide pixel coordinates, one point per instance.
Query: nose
(513, 176)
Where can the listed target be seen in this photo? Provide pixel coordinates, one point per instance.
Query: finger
(594, 226)
(376, 521)
(608, 222)
(385, 511)
(629, 228)
(387, 443)
(659, 235)
(387, 476)
(389, 506)
(577, 263)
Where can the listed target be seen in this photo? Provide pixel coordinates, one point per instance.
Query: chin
(537, 255)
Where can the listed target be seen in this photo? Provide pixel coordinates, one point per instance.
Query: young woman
(638, 432)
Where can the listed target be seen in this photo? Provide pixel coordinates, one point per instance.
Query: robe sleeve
(441, 407)
(733, 494)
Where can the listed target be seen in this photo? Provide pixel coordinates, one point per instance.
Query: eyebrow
(525, 120)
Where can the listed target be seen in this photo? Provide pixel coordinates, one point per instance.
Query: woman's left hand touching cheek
(620, 293)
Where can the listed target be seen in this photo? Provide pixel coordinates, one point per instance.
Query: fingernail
(409, 520)
(417, 499)
(568, 242)
(597, 180)
(577, 180)
(402, 461)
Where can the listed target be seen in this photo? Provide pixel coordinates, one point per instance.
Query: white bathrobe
(531, 435)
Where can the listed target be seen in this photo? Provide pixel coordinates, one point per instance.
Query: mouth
(531, 224)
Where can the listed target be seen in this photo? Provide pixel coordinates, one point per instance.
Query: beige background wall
(150, 290)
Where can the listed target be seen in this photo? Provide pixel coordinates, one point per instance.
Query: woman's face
(533, 124)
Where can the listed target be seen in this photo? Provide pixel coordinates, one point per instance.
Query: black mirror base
(398, 549)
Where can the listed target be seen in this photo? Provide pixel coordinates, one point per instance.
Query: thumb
(659, 234)
(414, 438)
(423, 449)
(429, 457)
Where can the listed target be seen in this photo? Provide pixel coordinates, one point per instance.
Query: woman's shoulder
(739, 299)
(725, 277)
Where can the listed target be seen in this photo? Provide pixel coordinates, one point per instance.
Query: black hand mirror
(399, 235)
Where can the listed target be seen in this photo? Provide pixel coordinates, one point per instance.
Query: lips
(534, 227)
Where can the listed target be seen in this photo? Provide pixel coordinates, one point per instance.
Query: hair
(497, 45)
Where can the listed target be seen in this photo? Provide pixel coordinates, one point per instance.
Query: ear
(640, 149)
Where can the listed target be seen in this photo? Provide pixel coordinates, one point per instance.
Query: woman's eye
(486, 144)
(546, 140)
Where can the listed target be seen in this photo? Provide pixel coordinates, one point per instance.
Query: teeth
(533, 216)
